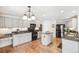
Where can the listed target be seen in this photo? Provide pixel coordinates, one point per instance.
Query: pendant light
(24, 17)
(33, 17)
(29, 15)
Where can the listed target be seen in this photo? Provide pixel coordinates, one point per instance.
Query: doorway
(60, 30)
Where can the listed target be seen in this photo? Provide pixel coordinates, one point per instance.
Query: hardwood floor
(34, 47)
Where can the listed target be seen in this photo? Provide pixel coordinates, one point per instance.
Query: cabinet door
(72, 23)
(69, 46)
(20, 23)
(15, 23)
(2, 22)
(21, 38)
(8, 22)
(28, 37)
(5, 42)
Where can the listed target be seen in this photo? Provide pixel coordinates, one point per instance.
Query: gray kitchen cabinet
(2, 21)
(15, 23)
(69, 46)
(21, 38)
(5, 42)
(8, 22)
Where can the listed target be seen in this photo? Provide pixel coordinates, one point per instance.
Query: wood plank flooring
(34, 47)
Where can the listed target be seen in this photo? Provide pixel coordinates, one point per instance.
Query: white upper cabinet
(78, 23)
(8, 22)
(20, 23)
(2, 22)
(15, 23)
(71, 23)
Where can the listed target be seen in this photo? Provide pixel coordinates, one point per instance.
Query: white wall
(60, 21)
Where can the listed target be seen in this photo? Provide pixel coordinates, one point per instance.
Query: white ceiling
(51, 12)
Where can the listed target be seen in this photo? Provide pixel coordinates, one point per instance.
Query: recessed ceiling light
(44, 15)
(73, 11)
(62, 11)
(67, 17)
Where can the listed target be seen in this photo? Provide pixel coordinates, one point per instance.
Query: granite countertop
(71, 38)
(13, 33)
(6, 36)
(47, 32)
(20, 32)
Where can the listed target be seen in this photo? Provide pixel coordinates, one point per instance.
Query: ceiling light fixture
(25, 17)
(44, 15)
(73, 11)
(29, 15)
(62, 11)
(67, 17)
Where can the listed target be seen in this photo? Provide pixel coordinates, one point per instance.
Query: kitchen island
(6, 40)
(21, 37)
(70, 44)
(46, 38)
(15, 38)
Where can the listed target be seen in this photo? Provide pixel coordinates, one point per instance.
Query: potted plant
(66, 30)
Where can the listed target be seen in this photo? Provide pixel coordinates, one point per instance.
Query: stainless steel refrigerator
(60, 30)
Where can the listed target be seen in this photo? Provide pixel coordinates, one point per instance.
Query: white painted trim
(5, 15)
